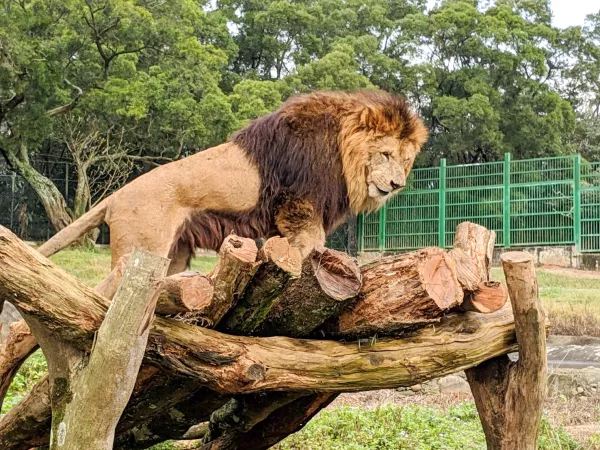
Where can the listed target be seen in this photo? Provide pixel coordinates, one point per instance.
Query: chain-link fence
(20, 208)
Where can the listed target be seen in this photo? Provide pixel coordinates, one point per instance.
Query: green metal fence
(550, 201)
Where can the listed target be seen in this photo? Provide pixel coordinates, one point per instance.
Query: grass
(572, 302)
(392, 427)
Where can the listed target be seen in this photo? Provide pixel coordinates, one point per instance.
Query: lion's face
(388, 167)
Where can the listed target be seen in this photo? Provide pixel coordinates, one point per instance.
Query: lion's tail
(90, 220)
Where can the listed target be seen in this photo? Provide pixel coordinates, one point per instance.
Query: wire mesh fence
(546, 201)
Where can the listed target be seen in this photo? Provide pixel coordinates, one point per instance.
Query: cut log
(280, 263)
(185, 292)
(17, 347)
(473, 252)
(477, 242)
(490, 296)
(233, 365)
(509, 396)
(330, 281)
(94, 398)
(467, 272)
(400, 293)
(235, 267)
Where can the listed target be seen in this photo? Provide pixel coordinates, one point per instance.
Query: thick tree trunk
(50, 197)
(509, 396)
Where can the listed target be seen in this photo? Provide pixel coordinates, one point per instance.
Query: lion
(298, 172)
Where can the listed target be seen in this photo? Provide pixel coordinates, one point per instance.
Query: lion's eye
(386, 155)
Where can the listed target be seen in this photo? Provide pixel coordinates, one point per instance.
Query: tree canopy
(116, 85)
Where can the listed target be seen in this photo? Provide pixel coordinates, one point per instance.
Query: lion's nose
(396, 186)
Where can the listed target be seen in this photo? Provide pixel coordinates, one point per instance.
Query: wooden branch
(102, 389)
(509, 396)
(329, 282)
(27, 424)
(473, 252)
(17, 347)
(400, 293)
(281, 423)
(185, 292)
(235, 267)
(240, 414)
(280, 264)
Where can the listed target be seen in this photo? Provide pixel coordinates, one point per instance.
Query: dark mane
(297, 155)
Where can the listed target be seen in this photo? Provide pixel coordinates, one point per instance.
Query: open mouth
(382, 192)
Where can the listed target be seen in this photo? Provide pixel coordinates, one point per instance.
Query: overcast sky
(568, 12)
(572, 12)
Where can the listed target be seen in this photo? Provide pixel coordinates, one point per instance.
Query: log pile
(248, 354)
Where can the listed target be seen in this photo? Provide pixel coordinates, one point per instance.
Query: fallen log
(280, 263)
(330, 281)
(473, 251)
(400, 293)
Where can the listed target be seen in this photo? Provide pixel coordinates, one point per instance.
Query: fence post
(442, 205)
(67, 182)
(360, 223)
(382, 221)
(506, 201)
(577, 201)
(12, 200)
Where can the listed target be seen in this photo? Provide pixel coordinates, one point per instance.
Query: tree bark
(235, 267)
(19, 344)
(280, 264)
(98, 393)
(509, 396)
(400, 293)
(330, 281)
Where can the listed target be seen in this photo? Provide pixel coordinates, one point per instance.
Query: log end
(516, 257)
(279, 251)
(441, 282)
(338, 275)
(243, 249)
